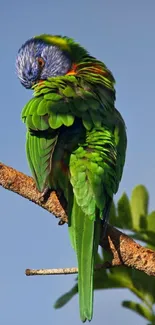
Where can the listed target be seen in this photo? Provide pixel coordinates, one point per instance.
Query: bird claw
(61, 223)
(44, 195)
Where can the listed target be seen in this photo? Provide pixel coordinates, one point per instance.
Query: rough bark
(125, 251)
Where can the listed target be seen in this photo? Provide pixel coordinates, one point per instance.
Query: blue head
(39, 60)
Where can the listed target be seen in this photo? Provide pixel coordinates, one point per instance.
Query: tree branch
(24, 185)
(125, 251)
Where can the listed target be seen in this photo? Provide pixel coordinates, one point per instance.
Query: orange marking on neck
(72, 71)
(40, 81)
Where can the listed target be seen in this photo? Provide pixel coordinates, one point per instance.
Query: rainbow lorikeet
(75, 142)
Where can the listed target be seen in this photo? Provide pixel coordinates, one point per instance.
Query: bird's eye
(41, 62)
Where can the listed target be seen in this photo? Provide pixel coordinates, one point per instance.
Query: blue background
(122, 34)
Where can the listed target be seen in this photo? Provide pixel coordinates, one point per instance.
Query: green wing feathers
(39, 151)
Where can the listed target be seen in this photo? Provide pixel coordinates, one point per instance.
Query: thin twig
(63, 271)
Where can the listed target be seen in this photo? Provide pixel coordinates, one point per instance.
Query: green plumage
(76, 143)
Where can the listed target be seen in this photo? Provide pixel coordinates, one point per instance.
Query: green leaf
(145, 236)
(63, 300)
(139, 206)
(143, 287)
(113, 215)
(139, 309)
(151, 221)
(124, 212)
(122, 276)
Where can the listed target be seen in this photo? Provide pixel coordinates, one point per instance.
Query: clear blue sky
(122, 34)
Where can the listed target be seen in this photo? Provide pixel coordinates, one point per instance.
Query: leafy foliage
(133, 216)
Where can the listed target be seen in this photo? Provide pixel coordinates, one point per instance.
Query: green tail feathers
(84, 234)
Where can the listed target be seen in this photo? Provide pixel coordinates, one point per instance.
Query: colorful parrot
(75, 142)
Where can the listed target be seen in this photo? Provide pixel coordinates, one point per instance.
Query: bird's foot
(61, 223)
(44, 195)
